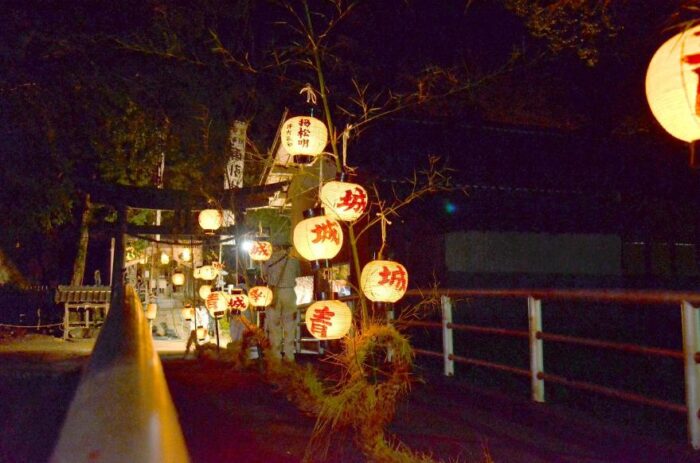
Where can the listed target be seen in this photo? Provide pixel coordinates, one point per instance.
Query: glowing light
(328, 319)
(384, 281)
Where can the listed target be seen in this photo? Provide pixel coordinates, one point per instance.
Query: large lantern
(260, 296)
(672, 85)
(178, 278)
(384, 281)
(151, 310)
(217, 303)
(210, 220)
(237, 300)
(343, 200)
(328, 319)
(204, 291)
(304, 138)
(318, 238)
(260, 250)
(207, 272)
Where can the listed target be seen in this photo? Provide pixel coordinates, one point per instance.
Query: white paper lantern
(328, 319)
(207, 272)
(186, 255)
(672, 85)
(204, 291)
(187, 313)
(201, 333)
(237, 300)
(304, 138)
(151, 311)
(217, 303)
(210, 220)
(178, 278)
(260, 296)
(318, 238)
(164, 258)
(344, 200)
(260, 251)
(384, 281)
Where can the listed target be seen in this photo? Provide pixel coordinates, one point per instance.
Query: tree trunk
(81, 254)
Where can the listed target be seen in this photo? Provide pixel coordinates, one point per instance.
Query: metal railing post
(689, 323)
(534, 313)
(447, 346)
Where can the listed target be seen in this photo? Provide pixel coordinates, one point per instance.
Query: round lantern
(260, 250)
(260, 296)
(318, 237)
(344, 200)
(201, 333)
(178, 278)
(328, 319)
(384, 281)
(210, 220)
(187, 313)
(151, 310)
(217, 303)
(164, 258)
(672, 85)
(204, 291)
(304, 138)
(207, 272)
(186, 255)
(237, 300)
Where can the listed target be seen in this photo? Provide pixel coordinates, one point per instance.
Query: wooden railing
(536, 336)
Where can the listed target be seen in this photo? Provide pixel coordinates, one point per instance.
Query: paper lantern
(237, 300)
(186, 255)
(210, 220)
(344, 200)
(217, 303)
(304, 138)
(164, 258)
(151, 310)
(384, 281)
(201, 333)
(318, 238)
(204, 291)
(328, 319)
(178, 278)
(260, 296)
(187, 313)
(260, 251)
(672, 85)
(207, 272)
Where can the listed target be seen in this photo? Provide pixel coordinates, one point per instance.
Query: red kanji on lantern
(212, 300)
(356, 200)
(255, 294)
(260, 249)
(321, 320)
(395, 278)
(236, 303)
(326, 232)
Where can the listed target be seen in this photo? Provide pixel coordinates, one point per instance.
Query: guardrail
(122, 410)
(690, 355)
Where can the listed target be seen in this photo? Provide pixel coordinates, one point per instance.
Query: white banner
(233, 177)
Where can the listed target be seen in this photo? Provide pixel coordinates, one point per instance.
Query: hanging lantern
(318, 238)
(217, 303)
(343, 200)
(260, 296)
(210, 220)
(304, 138)
(187, 313)
(204, 291)
(186, 255)
(384, 281)
(207, 272)
(151, 310)
(328, 319)
(237, 300)
(260, 250)
(164, 258)
(672, 85)
(201, 333)
(178, 278)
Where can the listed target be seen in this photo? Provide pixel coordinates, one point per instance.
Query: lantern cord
(384, 221)
(311, 97)
(320, 177)
(346, 136)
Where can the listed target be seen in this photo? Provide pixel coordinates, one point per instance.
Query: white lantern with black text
(672, 85)
(318, 237)
(210, 220)
(260, 296)
(260, 250)
(328, 319)
(207, 272)
(344, 200)
(304, 138)
(384, 281)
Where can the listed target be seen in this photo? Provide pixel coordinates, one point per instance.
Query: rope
(5, 325)
(383, 221)
(346, 136)
(310, 94)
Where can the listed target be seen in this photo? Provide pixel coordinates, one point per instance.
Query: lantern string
(383, 221)
(346, 136)
(311, 97)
